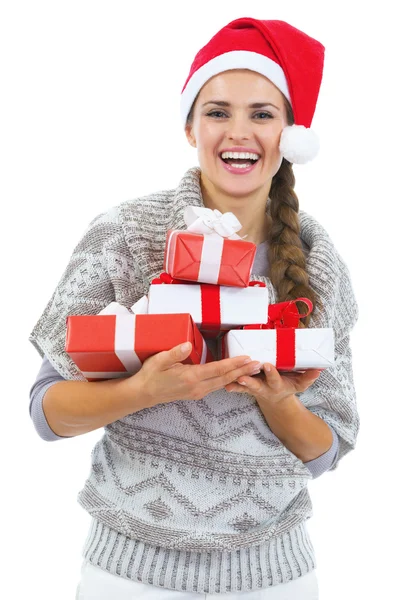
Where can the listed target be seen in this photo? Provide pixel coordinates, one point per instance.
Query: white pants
(97, 584)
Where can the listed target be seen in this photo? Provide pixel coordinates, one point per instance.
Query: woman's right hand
(163, 377)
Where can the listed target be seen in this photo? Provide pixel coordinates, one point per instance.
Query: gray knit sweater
(48, 376)
(197, 496)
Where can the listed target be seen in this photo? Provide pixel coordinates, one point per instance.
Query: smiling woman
(199, 485)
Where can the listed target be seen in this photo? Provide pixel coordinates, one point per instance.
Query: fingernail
(185, 347)
(242, 383)
(256, 372)
(247, 361)
(267, 368)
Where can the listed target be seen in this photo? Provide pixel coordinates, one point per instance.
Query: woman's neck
(250, 211)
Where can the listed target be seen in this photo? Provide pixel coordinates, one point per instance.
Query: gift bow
(166, 278)
(284, 314)
(208, 221)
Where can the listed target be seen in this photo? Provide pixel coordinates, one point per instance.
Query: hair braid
(286, 258)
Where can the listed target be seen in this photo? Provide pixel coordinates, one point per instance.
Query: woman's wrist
(133, 393)
(302, 432)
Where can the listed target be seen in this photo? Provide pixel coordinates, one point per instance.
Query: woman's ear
(190, 136)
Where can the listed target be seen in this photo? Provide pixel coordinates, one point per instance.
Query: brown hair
(286, 258)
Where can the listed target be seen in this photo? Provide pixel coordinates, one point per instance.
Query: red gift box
(113, 346)
(208, 258)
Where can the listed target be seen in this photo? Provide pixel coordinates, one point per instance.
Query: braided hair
(286, 257)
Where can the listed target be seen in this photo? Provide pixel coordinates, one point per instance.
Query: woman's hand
(163, 377)
(274, 387)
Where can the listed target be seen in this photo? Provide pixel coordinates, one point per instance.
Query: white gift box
(298, 349)
(229, 306)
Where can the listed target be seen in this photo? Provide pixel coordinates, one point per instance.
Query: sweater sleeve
(100, 270)
(332, 397)
(47, 376)
(323, 463)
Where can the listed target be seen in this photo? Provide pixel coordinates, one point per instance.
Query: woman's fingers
(233, 374)
(220, 368)
(168, 358)
(274, 382)
(249, 369)
(307, 379)
(299, 381)
(273, 378)
(238, 389)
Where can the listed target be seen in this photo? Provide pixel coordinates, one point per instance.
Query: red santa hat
(286, 56)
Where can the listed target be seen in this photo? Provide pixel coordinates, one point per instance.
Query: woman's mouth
(239, 162)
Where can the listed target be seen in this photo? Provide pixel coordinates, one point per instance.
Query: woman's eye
(216, 113)
(263, 115)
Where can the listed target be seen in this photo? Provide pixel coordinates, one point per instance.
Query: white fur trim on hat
(298, 144)
(238, 59)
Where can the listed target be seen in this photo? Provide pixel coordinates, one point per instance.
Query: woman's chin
(238, 189)
(228, 184)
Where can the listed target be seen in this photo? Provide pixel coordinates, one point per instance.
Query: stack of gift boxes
(204, 292)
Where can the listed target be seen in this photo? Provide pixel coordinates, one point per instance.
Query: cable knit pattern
(197, 496)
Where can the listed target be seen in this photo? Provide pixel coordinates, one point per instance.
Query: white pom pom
(298, 144)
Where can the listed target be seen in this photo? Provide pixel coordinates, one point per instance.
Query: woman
(199, 484)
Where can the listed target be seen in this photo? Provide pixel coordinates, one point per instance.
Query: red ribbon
(166, 278)
(210, 300)
(211, 306)
(284, 317)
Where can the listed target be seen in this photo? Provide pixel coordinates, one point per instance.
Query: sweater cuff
(323, 463)
(39, 419)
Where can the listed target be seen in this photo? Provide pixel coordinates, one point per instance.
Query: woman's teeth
(241, 166)
(247, 159)
(241, 155)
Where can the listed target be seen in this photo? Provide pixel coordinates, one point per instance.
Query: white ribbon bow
(208, 221)
(115, 308)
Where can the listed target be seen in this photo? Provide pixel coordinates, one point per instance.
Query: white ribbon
(208, 221)
(215, 227)
(204, 353)
(211, 258)
(140, 307)
(125, 342)
(124, 345)
(114, 308)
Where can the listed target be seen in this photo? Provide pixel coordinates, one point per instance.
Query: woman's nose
(238, 128)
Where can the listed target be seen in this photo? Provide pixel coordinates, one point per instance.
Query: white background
(90, 118)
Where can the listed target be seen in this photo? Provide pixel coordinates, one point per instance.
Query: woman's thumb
(175, 355)
(313, 374)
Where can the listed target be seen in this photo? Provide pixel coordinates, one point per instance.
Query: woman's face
(238, 112)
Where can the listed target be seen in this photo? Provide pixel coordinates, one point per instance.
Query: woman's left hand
(273, 387)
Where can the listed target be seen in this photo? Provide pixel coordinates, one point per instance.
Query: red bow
(284, 314)
(166, 278)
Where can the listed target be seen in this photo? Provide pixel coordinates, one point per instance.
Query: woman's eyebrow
(253, 105)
